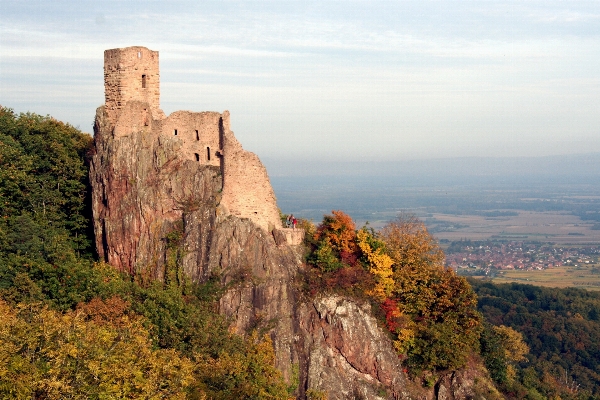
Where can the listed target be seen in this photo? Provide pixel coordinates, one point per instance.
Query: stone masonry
(131, 74)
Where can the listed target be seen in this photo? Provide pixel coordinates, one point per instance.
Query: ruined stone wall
(247, 191)
(131, 74)
(199, 133)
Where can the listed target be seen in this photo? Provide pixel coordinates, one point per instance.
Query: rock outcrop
(347, 354)
(144, 189)
(153, 176)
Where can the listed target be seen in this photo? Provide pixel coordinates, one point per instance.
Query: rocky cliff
(144, 189)
(149, 182)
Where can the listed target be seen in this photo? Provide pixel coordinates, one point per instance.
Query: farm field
(553, 227)
(581, 277)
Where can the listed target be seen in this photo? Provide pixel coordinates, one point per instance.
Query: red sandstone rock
(153, 174)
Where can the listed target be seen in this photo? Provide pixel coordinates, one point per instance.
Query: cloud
(415, 78)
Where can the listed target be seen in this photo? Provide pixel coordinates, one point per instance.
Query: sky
(330, 80)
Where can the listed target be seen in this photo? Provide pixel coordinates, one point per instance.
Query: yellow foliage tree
(45, 354)
(249, 374)
(515, 348)
(380, 265)
(409, 243)
(444, 324)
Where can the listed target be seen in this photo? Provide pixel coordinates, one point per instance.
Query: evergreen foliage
(43, 182)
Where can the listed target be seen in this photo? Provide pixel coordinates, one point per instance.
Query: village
(480, 257)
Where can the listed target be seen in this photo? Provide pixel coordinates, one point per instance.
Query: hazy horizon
(329, 80)
(584, 165)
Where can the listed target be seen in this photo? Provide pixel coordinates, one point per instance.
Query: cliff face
(151, 178)
(347, 354)
(144, 189)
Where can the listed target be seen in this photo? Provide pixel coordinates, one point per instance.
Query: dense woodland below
(66, 319)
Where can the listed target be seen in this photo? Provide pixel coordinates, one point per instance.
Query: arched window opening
(143, 81)
(197, 157)
(208, 153)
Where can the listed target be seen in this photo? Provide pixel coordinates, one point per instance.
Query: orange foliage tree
(340, 230)
(430, 309)
(336, 256)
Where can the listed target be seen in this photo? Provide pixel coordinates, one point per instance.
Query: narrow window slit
(197, 135)
(197, 157)
(175, 132)
(143, 81)
(208, 153)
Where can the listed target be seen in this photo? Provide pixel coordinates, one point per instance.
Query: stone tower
(131, 74)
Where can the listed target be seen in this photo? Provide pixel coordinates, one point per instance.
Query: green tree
(43, 174)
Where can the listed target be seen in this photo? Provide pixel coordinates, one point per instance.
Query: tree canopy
(431, 311)
(560, 327)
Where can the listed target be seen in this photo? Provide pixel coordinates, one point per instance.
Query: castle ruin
(151, 170)
(132, 102)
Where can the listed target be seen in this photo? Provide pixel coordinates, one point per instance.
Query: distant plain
(550, 226)
(542, 200)
(583, 276)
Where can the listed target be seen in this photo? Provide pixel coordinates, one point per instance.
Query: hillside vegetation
(71, 327)
(430, 311)
(74, 327)
(536, 343)
(562, 330)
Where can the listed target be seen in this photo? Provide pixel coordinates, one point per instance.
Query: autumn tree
(502, 347)
(378, 263)
(409, 243)
(46, 354)
(339, 229)
(334, 242)
(434, 311)
(431, 310)
(336, 256)
(248, 373)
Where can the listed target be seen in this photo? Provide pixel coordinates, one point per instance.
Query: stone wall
(247, 191)
(199, 133)
(131, 74)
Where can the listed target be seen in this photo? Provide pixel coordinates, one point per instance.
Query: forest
(562, 330)
(66, 319)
